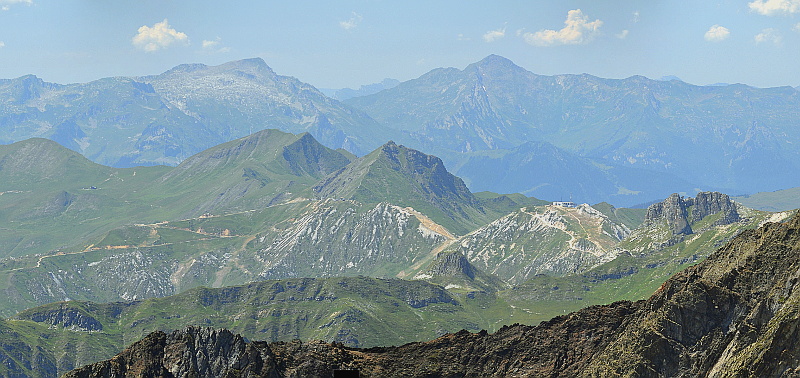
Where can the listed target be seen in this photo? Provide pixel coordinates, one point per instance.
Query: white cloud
(157, 37)
(623, 34)
(636, 16)
(215, 46)
(577, 29)
(2, 44)
(461, 37)
(494, 35)
(6, 4)
(769, 35)
(773, 7)
(717, 33)
(352, 22)
(796, 27)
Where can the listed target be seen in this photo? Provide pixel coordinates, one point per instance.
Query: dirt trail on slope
(435, 228)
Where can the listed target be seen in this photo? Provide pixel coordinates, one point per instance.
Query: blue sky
(335, 44)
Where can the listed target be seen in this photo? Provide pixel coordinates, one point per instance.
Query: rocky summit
(734, 314)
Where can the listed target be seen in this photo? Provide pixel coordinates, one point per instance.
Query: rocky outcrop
(67, 317)
(681, 213)
(192, 352)
(734, 314)
(710, 203)
(454, 271)
(452, 264)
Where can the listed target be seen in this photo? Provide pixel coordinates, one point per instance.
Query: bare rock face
(734, 314)
(674, 211)
(680, 213)
(68, 318)
(710, 203)
(192, 352)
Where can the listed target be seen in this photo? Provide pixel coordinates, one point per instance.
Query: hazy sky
(347, 43)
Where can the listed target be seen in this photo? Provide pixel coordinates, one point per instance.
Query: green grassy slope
(779, 200)
(407, 177)
(356, 311)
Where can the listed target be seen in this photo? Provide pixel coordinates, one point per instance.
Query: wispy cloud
(796, 27)
(623, 34)
(462, 37)
(6, 4)
(636, 16)
(215, 46)
(773, 7)
(717, 33)
(577, 29)
(769, 35)
(2, 44)
(494, 35)
(157, 37)
(352, 23)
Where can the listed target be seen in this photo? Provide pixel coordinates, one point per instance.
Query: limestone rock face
(68, 318)
(680, 213)
(192, 352)
(709, 203)
(674, 211)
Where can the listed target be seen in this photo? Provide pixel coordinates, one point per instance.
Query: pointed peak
(496, 61)
(389, 146)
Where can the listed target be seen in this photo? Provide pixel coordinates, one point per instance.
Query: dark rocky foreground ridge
(735, 314)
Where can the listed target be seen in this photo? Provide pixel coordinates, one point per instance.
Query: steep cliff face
(193, 352)
(735, 314)
(681, 213)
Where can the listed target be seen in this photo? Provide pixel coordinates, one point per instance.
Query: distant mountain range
(364, 90)
(166, 118)
(733, 138)
(496, 125)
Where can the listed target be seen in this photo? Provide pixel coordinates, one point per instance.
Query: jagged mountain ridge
(164, 119)
(408, 177)
(711, 319)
